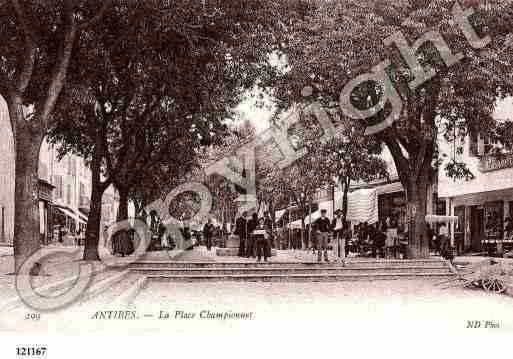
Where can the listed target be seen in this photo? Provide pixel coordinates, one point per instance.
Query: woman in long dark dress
(122, 243)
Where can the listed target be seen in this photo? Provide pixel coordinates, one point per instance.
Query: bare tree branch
(96, 18)
(5, 85)
(30, 35)
(61, 65)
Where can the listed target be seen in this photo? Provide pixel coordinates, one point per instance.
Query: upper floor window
(57, 182)
(480, 145)
(69, 194)
(72, 165)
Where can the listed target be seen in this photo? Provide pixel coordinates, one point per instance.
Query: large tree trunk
(95, 210)
(346, 183)
(93, 223)
(26, 212)
(416, 199)
(123, 205)
(415, 174)
(122, 241)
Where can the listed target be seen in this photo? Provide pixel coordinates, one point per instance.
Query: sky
(504, 110)
(260, 116)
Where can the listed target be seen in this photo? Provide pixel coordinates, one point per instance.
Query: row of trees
(339, 41)
(134, 87)
(326, 163)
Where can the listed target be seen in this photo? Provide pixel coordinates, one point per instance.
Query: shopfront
(393, 205)
(45, 211)
(481, 221)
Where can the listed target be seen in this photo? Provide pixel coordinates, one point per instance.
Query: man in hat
(323, 225)
(208, 233)
(338, 226)
(241, 229)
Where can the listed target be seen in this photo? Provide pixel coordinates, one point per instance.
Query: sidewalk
(54, 270)
(466, 260)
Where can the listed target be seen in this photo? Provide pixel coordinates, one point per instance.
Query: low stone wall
(233, 252)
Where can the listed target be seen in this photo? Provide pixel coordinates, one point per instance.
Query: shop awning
(67, 212)
(433, 218)
(279, 214)
(82, 217)
(390, 188)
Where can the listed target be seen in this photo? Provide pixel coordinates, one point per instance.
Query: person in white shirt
(261, 237)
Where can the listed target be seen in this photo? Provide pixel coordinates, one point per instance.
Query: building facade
(6, 176)
(64, 190)
(484, 203)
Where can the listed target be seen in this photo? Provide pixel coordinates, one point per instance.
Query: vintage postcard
(293, 177)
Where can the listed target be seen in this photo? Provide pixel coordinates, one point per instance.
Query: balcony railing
(490, 163)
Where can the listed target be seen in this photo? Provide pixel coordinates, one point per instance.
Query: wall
(483, 181)
(6, 172)
(49, 168)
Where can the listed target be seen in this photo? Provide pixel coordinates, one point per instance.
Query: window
(488, 145)
(72, 165)
(106, 212)
(68, 194)
(57, 182)
(480, 145)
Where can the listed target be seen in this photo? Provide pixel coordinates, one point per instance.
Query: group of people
(380, 239)
(255, 235)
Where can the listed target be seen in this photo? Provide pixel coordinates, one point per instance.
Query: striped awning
(362, 206)
(66, 212)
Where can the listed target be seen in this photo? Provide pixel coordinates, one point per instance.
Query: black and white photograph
(280, 178)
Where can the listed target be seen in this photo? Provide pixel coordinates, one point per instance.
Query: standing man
(445, 244)
(250, 239)
(208, 233)
(338, 226)
(261, 237)
(323, 226)
(241, 226)
(268, 222)
(106, 238)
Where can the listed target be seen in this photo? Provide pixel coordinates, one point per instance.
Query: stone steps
(297, 277)
(266, 270)
(201, 271)
(273, 264)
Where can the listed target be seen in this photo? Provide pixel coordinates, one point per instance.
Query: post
(451, 208)
(333, 201)
(309, 223)
(290, 239)
(2, 239)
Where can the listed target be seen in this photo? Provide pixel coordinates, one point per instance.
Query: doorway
(476, 227)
